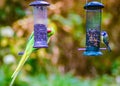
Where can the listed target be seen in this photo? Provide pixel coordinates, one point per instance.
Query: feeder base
(40, 45)
(92, 53)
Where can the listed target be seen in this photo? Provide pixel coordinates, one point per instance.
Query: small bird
(29, 49)
(104, 37)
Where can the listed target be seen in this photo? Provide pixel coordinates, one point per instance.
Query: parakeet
(29, 49)
(105, 40)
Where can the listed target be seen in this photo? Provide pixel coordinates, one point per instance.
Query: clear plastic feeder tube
(40, 23)
(40, 15)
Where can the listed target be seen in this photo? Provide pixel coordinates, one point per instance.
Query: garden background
(61, 64)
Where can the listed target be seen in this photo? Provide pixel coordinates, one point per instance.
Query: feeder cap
(39, 3)
(93, 5)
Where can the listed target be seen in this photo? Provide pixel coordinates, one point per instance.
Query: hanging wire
(86, 2)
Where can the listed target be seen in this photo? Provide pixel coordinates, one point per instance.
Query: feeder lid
(93, 5)
(39, 3)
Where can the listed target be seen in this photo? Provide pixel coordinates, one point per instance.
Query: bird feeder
(93, 28)
(40, 23)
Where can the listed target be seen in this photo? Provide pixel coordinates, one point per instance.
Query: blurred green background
(61, 64)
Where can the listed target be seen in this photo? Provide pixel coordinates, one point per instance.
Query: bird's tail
(20, 65)
(109, 49)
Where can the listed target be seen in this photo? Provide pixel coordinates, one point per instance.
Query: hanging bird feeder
(93, 28)
(40, 23)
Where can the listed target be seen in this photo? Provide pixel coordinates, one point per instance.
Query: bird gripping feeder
(93, 28)
(40, 23)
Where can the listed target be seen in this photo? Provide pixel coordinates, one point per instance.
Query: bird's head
(50, 31)
(104, 33)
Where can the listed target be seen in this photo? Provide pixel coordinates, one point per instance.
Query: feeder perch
(93, 28)
(40, 23)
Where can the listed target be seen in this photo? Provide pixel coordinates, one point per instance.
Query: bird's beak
(48, 31)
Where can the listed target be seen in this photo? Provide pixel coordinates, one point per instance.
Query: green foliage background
(61, 64)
